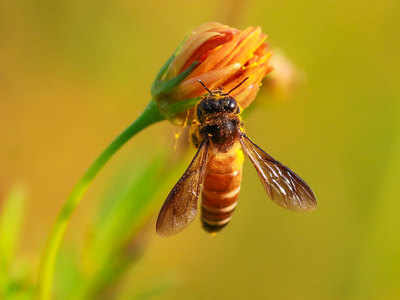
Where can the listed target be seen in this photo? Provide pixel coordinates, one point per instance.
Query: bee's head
(217, 102)
(213, 104)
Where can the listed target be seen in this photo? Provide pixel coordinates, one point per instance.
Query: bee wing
(180, 207)
(282, 185)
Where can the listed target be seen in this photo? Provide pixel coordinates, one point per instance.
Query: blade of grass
(112, 249)
(69, 278)
(11, 220)
(149, 116)
(126, 212)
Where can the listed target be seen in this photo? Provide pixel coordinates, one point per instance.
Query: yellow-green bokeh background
(73, 74)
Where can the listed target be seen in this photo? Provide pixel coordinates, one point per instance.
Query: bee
(216, 170)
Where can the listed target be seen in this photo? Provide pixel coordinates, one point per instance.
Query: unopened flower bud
(221, 57)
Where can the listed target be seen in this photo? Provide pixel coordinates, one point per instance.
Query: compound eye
(229, 104)
(199, 112)
(210, 106)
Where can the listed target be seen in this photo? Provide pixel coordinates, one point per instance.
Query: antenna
(237, 86)
(205, 87)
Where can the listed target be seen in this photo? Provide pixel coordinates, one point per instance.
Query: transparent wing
(282, 185)
(180, 207)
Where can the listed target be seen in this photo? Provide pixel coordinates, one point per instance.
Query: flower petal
(190, 87)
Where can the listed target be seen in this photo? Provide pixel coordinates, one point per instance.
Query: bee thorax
(222, 132)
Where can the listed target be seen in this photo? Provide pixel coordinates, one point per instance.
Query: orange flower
(226, 56)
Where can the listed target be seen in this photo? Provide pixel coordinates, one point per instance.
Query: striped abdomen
(221, 187)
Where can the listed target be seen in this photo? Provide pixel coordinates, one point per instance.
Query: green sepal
(160, 87)
(164, 68)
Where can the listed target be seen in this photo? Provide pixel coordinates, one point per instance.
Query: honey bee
(216, 170)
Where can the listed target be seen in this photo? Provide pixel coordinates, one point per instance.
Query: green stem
(149, 116)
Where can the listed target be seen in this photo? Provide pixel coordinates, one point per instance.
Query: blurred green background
(73, 74)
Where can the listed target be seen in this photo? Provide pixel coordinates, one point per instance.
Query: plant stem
(149, 116)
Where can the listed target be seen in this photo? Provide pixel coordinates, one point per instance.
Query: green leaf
(150, 115)
(68, 279)
(111, 248)
(124, 210)
(11, 219)
(17, 290)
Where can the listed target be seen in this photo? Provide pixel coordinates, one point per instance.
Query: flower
(222, 57)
